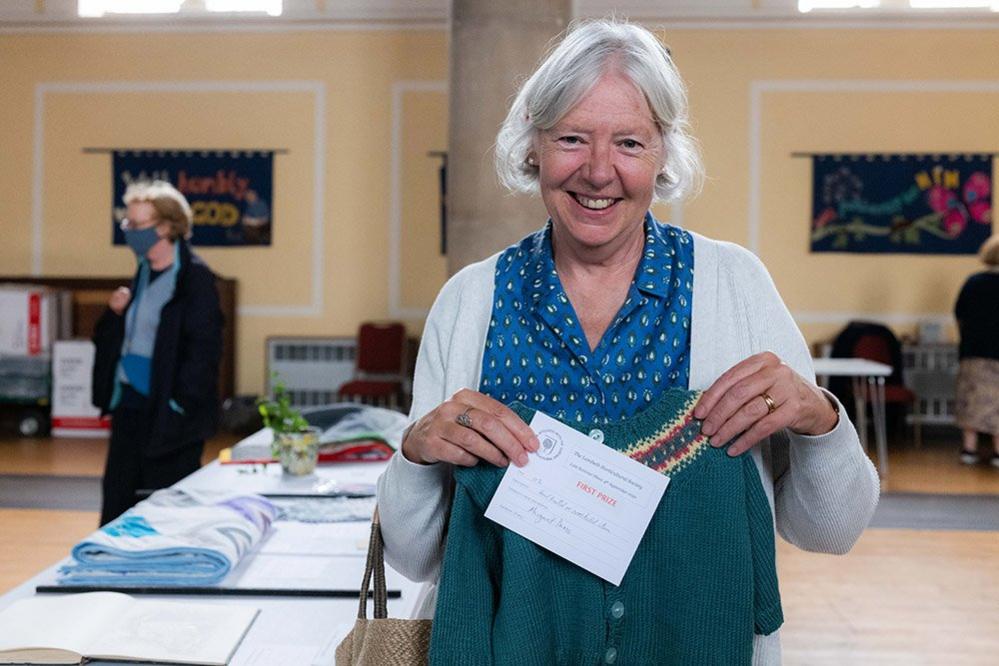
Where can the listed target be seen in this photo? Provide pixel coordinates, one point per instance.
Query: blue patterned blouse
(536, 351)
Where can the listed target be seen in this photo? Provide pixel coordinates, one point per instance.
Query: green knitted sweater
(702, 581)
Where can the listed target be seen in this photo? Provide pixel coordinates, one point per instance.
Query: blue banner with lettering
(923, 204)
(230, 191)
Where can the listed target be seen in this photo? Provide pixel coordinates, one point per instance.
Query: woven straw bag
(382, 641)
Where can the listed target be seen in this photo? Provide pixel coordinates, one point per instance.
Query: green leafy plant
(278, 414)
(295, 442)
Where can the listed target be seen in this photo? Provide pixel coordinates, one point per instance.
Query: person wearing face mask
(159, 344)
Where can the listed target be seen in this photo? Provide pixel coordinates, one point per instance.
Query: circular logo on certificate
(551, 444)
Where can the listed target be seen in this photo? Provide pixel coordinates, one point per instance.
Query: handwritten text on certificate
(579, 499)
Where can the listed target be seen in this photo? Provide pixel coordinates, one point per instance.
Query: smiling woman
(597, 169)
(570, 73)
(599, 319)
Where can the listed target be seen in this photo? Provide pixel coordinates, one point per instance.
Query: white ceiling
(49, 15)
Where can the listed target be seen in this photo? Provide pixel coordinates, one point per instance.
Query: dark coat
(185, 365)
(977, 313)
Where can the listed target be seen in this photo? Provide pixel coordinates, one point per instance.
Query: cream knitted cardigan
(823, 489)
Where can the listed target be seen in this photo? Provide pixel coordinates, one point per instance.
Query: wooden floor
(71, 456)
(900, 598)
(935, 468)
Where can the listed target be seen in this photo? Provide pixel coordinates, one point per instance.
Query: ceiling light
(951, 4)
(271, 7)
(809, 5)
(98, 8)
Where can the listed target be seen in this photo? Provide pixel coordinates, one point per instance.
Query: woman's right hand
(119, 300)
(467, 428)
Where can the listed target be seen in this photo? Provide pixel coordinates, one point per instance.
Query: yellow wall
(721, 68)
(422, 267)
(352, 73)
(368, 76)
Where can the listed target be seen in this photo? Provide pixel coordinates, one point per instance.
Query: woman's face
(598, 165)
(142, 215)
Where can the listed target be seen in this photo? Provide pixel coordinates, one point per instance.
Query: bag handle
(375, 565)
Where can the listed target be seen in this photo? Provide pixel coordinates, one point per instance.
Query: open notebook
(66, 629)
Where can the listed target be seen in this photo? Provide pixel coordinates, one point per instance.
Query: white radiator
(312, 369)
(930, 371)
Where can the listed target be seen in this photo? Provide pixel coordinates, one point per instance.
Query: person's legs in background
(977, 406)
(166, 470)
(123, 469)
(129, 470)
(969, 446)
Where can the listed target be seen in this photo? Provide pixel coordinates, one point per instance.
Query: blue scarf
(141, 323)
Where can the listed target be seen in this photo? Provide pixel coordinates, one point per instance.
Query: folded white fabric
(174, 538)
(387, 425)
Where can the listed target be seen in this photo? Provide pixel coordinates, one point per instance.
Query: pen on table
(250, 461)
(225, 458)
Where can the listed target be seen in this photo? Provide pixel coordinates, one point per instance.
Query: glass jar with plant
(296, 443)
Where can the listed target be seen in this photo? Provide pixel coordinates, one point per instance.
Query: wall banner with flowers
(920, 204)
(230, 191)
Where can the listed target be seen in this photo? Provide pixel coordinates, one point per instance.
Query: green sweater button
(611, 655)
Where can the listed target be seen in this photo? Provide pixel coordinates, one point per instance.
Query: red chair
(874, 347)
(380, 377)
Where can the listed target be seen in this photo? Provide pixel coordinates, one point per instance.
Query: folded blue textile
(174, 538)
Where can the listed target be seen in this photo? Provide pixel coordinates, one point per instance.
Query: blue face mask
(141, 240)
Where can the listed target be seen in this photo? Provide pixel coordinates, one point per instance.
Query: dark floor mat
(80, 493)
(923, 511)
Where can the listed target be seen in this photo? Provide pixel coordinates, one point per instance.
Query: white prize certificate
(579, 499)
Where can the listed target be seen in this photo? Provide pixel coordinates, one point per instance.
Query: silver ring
(464, 419)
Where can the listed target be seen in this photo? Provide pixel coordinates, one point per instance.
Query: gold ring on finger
(771, 405)
(464, 419)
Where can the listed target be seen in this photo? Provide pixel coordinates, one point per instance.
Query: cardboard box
(72, 413)
(29, 319)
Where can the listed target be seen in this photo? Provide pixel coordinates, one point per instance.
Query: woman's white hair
(570, 70)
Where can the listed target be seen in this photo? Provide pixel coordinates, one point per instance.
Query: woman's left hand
(759, 396)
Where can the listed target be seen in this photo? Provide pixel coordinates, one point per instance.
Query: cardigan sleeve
(413, 499)
(825, 486)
